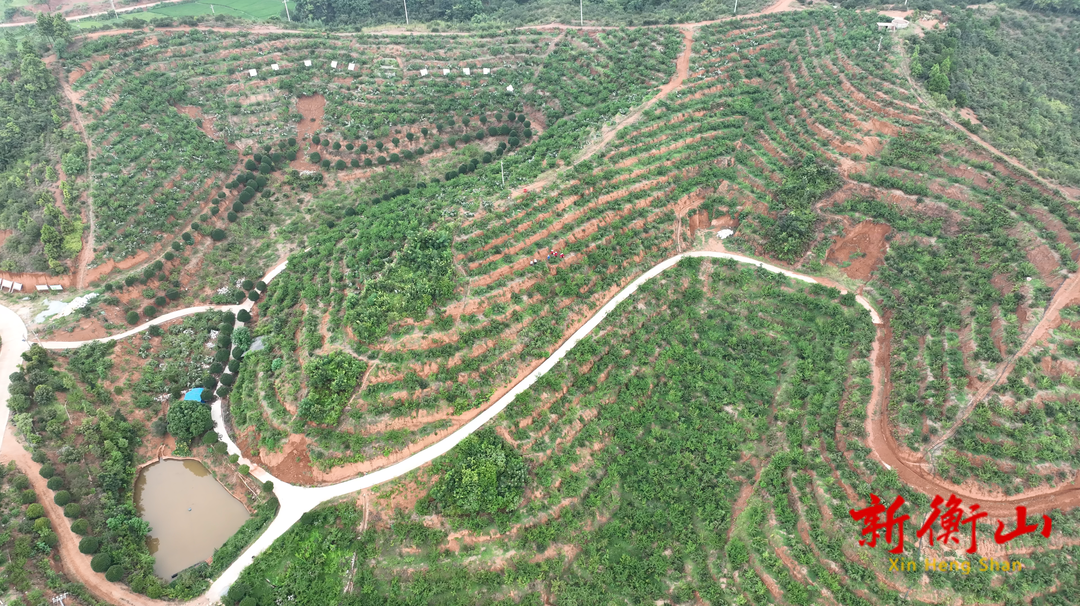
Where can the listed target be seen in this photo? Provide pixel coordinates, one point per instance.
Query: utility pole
(403, 3)
(286, 3)
(879, 42)
(581, 10)
(736, 7)
(503, 174)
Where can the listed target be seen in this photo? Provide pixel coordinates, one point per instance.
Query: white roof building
(895, 24)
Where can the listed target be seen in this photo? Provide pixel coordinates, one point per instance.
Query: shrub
(149, 311)
(62, 498)
(268, 486)
(232, 217)
(354, 163)
(238, 352)
(247, 285)
(237, 207)
(220, 448)
(228, 379)
(222, 355)
(244, 470)
(55, 483)
(34, 511)
(21, 482)
(80, 526)
(253, 295)
(315, 158)
(249, 601)
(339, 165)
(209, 383)
(188, 419)
(172, 294)
(210, 438)
(169, 256)
(237, 592)
(223, 391)
(159, 427)
(325, 163)
(161, 301)
(234, 366)
(72, 510)
(89, 545)
(260, 286)
(218, 235)
(133, 317)
(250, 165)
(47, 471)
(243, 315)
(114, 573)
(216, 368)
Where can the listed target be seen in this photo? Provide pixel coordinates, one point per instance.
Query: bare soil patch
(866, 242)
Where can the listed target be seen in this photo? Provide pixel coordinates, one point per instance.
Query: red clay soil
(107, 267)
(914, 470)
(308, 107)
(76, 565)
(867, 238)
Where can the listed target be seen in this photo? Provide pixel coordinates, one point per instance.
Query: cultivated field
(445, 231)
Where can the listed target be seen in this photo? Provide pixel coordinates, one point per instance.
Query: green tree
(187, 419)
(938, 81)
(483, 474)
(46, 27)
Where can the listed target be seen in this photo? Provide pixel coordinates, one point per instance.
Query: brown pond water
(189, 513)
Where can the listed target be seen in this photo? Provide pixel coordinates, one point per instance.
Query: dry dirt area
(866, 242)
(311, 108)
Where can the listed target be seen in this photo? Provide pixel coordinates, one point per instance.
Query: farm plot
(768, 105)
(689, 449)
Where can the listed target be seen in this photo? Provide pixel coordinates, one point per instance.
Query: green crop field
(251, 9)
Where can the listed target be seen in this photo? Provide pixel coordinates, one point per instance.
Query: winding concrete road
(296, 500)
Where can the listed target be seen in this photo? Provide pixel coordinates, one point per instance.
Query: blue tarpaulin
(195, 395)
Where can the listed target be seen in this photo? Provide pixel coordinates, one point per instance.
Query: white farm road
(296, 500)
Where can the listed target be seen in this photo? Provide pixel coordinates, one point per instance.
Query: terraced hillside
(445, 232)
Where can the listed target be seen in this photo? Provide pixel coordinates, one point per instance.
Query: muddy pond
(189, 513)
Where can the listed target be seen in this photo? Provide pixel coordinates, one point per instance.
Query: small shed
(42, 287)
(510, 88)
(333, 65)
(17, 287)
(274, 66)
(55, 287)
(307, 62)
(423, 72)
(445, 72)
(487, 71)
(194, 395)
(253, 72)
(352, 67)
(466, 71)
